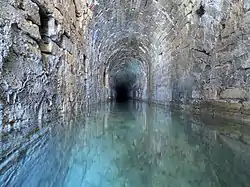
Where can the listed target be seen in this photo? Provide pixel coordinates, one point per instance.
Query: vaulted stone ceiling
(130, 31)
(188, 50)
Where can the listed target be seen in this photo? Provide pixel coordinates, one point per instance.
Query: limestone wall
(209, 55)
(43, 59)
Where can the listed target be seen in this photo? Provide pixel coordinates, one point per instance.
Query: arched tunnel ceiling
(129, 30)
(128, 71)
(121, 21)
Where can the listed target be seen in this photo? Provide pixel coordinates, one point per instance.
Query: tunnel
(130, 50)
(127, 78)
(126, 73)
(64, 62)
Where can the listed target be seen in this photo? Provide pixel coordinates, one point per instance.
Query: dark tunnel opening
(126, 79)
(122, 93)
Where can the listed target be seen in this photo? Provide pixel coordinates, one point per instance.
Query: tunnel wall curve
(194, 49)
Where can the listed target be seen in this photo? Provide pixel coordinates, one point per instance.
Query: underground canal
(124, 93)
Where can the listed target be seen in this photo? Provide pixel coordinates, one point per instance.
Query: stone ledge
(220, 108)
(234, 110)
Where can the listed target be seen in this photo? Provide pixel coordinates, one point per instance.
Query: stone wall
(209, 60)
(43, 71)
(193, 52)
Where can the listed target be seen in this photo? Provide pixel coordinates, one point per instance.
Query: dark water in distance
(133, 145)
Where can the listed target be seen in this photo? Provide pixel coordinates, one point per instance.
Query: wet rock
(233, 93)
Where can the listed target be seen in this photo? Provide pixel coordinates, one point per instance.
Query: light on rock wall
(91, 4)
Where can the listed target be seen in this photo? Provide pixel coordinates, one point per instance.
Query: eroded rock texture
(42, 63)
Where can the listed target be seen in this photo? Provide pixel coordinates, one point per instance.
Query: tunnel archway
(143, 31)
(127, 79)
(127, 73)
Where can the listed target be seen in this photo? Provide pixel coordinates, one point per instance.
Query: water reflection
(132, 144)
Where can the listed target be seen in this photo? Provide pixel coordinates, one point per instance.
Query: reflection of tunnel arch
(127, 70)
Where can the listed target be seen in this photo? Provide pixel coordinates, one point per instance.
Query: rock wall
(43, 69)
(209, 54)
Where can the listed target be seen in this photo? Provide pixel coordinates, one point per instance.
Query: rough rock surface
(42, 64)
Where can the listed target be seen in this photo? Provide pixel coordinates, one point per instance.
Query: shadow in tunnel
(122, 93)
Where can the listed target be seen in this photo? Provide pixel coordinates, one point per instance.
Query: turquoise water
(134, 145)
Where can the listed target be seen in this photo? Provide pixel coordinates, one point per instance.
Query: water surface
(134, 145)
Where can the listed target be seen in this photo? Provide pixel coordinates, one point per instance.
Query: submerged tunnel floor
(132, 144)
